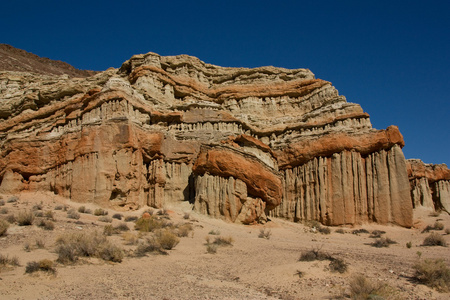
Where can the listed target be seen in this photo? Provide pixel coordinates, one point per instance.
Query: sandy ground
(253, 268)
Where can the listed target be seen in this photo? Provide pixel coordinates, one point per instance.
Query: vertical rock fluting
(347, 188)
(236, 143)
(430, 185)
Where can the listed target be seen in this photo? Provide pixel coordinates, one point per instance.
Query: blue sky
(391, 57)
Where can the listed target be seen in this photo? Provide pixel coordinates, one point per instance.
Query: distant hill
(13, 59)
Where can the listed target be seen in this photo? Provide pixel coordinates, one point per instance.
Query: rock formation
(239, 144)
(430, 185)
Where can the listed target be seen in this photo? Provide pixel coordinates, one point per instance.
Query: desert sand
(252, 268)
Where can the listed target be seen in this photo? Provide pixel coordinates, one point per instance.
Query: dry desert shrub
(59, 207)
(2, 202)
(130, 238)
(40, 243)
(433, 273)
(434, 239)
(6, 261)
(117, 216)
(408, 245)
(362, 288)
(340, 230)
(44, 265)
(46, 224)
(105, 219)
(211, 248)
(82, 209)
(25, 218)
(4, 211)
(183, 230)
(37, 206)
(314, 254)
(100, 212)
(223, 241)
(186, 216)
(150, 224)
(150, 245)
(376, 234)
(13, 199)
(263, 234)
(437, 226)
(72, 214)
(167, 239)
(383, 242)
(80, 244)
(358, 231)
(214, 232)
(4, 225)
(49, 215)
(130, 218)
(447, 231)
(110, 230)
(338, 265)
(11, 219)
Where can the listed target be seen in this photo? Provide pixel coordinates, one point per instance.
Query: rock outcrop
(430, 185)
(239, 144)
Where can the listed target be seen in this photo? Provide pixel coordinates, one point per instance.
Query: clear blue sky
(391, 57)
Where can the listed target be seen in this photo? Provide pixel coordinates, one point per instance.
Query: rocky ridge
(239, 144)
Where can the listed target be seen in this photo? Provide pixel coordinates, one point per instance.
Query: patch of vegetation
(38, 213)
(44, 265)
(167, 239)
(72, 214)
(11, 219)
(314, 254)
(376, 234)
(117, 216)
(6, 261)
(4, 211)
(363, 288)
(130, 218)
(49, 215)
(447, 231)
(25, 218)
(358, 231)
(338, 265)
(299, 273)
(408, 245)
(183, 230)
(211, 248)
(37, 206)
(264, 234)
(2, 202)
(130, 238)
(105, 219)
(340, 230)
(100, 212)
(324, 230)
(82, 209)
(4, 225)
(80, 244)
(383, 242)
(437, 226)
(150, 245)
(59, 207)
(186, 216)
(40, 243)
(434, 239)
(110, 230)
(214, 232)
(13, 199)
(149, 224)
(434, 273)
(223, 241)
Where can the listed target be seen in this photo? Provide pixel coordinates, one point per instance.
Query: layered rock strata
(239, 144)
(430, 185)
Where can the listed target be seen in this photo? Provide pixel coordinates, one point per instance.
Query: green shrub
(25, 218)
(408, 245)
(44, 265)
(82, 209)
(3, 227)
(148, 224)
(434, 239)
(434, 273)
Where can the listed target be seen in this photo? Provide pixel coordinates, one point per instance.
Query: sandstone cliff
(430, 185)
(240, 144)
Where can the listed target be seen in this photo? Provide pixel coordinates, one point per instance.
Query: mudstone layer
(239, 144)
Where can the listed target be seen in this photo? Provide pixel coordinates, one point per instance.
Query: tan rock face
(236, 143)
(430, 184)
